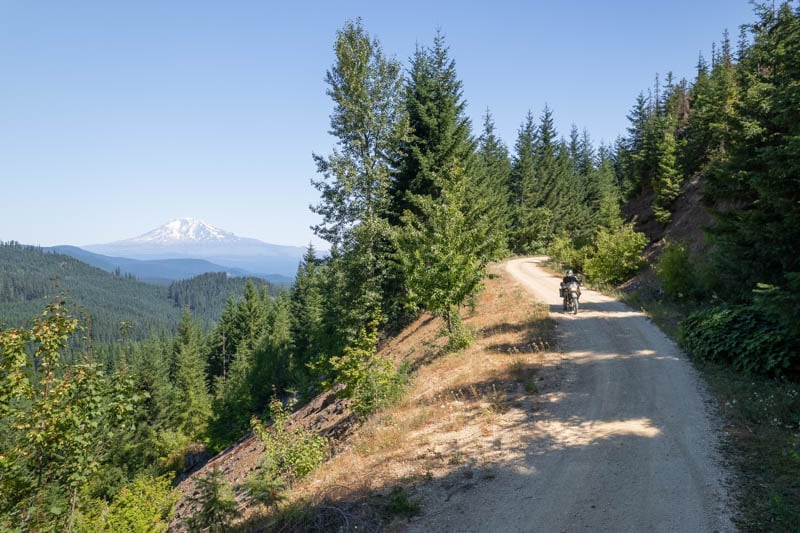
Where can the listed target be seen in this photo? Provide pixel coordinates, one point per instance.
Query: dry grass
(452, 417)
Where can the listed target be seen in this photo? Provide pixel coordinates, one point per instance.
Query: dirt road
(626, 442)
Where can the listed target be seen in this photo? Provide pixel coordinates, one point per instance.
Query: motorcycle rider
(569, 278)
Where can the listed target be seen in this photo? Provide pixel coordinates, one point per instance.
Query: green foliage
(398, 504)
(459, 337)
(677, 274)
(742, 337)
(264, 488)
(142, 506)
(307, 316)
(290, 452)
(216, 504)
(368, 122)
(438, 135)
(779, 303)
(260, 332)
(490, 182)
(368, 378)
(441, 251)
(756, 187)
(617, 255)
(57, 423)
(564, 249)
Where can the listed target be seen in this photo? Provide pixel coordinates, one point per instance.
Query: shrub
(291, 453)
(368, 378)
(741, 337)
(459, 338)
(142, 506)
(398, 504)
(676, 273)
(617, 256)
(566, 250)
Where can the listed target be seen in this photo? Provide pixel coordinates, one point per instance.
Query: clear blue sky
(117, 116)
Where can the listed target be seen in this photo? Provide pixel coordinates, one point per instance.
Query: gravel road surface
(628, 441)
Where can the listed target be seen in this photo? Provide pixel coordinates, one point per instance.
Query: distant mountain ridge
(189, 238)
(159, 271)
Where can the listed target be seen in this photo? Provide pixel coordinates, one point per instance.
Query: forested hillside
(31, 278)
(414, 204)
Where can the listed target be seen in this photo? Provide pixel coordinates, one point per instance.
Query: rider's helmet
(569, 272)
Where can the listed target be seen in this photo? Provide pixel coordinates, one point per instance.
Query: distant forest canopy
(30, 278)
(415, 205)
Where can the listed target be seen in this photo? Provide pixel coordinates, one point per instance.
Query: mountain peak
(184, 230)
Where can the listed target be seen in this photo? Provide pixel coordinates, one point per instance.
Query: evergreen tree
(634, 162)
(491, 182)
(273, 354)
(192, 399)
(756, 188)
(603, 195)
(307, 315)
(560, 189)
(695, 153)
(155, 416)
(530, 220)
(439, 130)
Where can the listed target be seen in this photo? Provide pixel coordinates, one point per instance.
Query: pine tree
(756, 188)
(603, 194)
(307, 314)
(221, 342)
(490, 185)
(189, 374)
(439, 130)
(273, 355)
(635, 169)
(560, 189)
(529, 224)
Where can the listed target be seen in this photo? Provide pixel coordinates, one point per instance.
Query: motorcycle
(571, 293)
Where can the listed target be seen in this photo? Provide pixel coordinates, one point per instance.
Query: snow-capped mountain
(183, 230)
(192, 238)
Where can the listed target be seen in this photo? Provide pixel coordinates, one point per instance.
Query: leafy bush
(366, 377)
(677, 274)
(57, 423)
(459, 338)
(567, 251)
(291, 453)
(740, 336)
(617, 256)
(143, 506)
